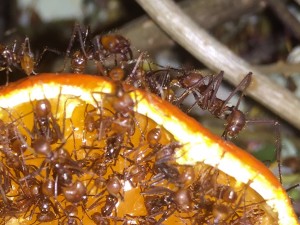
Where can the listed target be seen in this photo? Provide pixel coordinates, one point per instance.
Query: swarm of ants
(53, 171)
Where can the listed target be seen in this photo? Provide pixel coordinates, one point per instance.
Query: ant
(163, 200)
(137, 173)
(97, 48)
(205, 94)
(8, 210)
(71, 217)
(6, 178)
(13, 147)
(110, 205)
(33, 196)
(159, 82)
(106, 210)
(19, 56)
(59, 162)
(139, 220)
(205, 88)
(115, 44)
(45, 125)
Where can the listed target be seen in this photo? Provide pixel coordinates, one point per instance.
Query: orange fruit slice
(166, 168)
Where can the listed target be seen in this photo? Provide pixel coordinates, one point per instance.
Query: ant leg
(205, 99)
(189, 90)
(46, 49)
(137, 64)
(7, 77)
(278, 146)
(242, 86)
(77, 32)
(292, 187)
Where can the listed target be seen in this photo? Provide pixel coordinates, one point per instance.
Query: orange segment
(201, 149)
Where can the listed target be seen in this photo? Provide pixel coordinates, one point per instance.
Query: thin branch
(279, 67)
(145, 35)
(218, 57)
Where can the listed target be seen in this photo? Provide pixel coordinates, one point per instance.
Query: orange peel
(199, 144)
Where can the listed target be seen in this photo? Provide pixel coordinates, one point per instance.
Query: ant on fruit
(106, 210)
(205, 88)
(6, 178)
(13, 147)
(76, 194)
(71, 217)
(45, 125)
(160, 200)
(110, 205)
(139, 220)
(32, 198)
(160, 83)
(8, 210)
(57, 162)
(136, 173)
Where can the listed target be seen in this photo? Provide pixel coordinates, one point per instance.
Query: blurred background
(253, 31)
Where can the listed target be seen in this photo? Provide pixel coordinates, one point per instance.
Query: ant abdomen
(116, 44)
(76, 192)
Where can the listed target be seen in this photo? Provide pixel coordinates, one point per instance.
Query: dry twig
(147, 36)
(218, 57)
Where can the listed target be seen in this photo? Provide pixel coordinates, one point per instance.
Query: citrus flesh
(141, 162)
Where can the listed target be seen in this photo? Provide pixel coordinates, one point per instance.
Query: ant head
(117, 74)
(43, 108)
(236, 120)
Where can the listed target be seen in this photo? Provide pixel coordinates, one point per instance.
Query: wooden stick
(145, 35)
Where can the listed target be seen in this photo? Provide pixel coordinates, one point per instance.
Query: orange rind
(198, 144)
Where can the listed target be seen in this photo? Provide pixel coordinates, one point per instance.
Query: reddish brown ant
(8, 210)
(160, 200)
(160, 83)
(32, 198)
(57, 162)
(99, 219)
(13, 147)
(97, 48)
(205, 88)
(45, 125)
(205, 95)
(71, 217)
(110, 205)
(21, 57)
(115, 44)
(137, 173)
